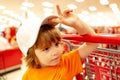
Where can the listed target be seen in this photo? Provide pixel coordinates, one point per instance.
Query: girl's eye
(56, 44)
(46, 49)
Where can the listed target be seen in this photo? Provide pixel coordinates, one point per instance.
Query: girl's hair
(47, 35)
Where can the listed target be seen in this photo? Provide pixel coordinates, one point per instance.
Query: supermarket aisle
(15, 75)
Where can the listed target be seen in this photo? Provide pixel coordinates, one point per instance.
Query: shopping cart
(103, 63)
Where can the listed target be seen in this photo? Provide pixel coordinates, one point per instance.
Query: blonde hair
(47, 35)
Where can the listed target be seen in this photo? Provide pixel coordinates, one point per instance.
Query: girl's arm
(68, 18)
(86, 48)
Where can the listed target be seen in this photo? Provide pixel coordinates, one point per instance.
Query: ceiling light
(92, 8)
(28, 4)
(24, 8)
(114, 8)
(114, 5)
(85, 12)
(72, 6)
(104, 2)
(80, 0)
(47, 4)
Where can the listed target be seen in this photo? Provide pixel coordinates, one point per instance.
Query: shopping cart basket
(103, 63)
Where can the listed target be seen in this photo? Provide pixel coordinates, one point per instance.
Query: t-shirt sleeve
(73, 62)
(25, 75)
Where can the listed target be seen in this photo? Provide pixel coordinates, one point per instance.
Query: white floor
(15, 75)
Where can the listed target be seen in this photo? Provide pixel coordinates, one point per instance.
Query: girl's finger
(57, 20)
(58, 10)
(66, 12)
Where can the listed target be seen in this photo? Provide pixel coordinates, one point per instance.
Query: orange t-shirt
(69, 66)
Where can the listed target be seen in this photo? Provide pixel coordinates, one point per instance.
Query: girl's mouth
(57, 58)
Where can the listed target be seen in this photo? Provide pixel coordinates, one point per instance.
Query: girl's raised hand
(66, 17)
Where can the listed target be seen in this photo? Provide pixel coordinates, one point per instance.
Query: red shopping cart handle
(107, 39)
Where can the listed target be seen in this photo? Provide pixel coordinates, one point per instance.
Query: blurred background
(102, 15)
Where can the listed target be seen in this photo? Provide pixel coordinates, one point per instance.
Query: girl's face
(51, 55)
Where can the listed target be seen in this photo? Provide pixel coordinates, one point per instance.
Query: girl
(42, 47)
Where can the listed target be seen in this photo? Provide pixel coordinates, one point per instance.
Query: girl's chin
(55, 63)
